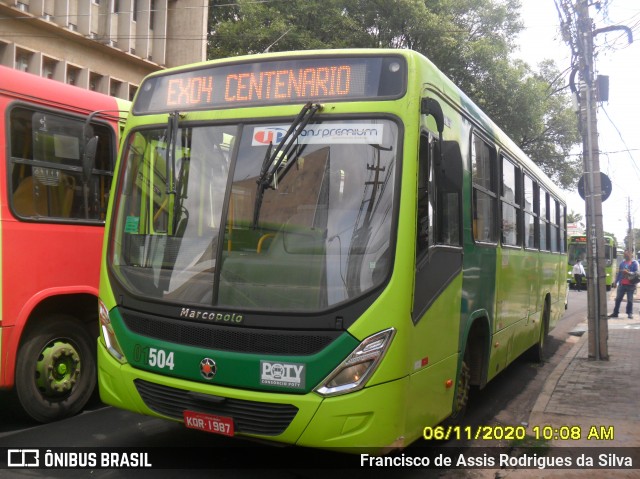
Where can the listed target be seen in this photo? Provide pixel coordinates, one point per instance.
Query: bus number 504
(156, 358)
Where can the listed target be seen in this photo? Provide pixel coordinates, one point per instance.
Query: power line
(628, 150)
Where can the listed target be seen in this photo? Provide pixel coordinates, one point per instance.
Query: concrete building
(104, 45)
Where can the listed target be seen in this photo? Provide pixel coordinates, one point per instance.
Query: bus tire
(536, 352)
(55, 369)
(461, 400)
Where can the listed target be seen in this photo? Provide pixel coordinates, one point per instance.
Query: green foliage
(573, 217)
(471, 41)
(281, 26)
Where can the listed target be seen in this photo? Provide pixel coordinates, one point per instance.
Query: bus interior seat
(287, 272)
(35, 198)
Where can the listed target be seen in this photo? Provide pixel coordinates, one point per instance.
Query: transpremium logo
(326, 133)
(266, 135)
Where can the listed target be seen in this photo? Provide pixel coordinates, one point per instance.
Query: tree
(574, 217)
(282, 25)
(471, 41)
(550, 140)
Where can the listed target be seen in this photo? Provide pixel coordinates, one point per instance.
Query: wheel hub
(57, 369)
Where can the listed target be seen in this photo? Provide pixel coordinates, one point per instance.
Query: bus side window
(447, 176)
(439, 188)
(46, 180)
(530, 215)
(483, 163)
(424, 226)
(510, 198)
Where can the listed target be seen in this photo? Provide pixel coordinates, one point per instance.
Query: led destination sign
(273, 82)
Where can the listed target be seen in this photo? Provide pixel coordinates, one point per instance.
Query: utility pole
(597, 302)
(631, 235)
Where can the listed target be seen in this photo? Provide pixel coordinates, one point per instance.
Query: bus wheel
(55, 369)
(536, 353)
(462, 393)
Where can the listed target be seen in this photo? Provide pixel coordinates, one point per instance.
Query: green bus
(321, 248)
(577, 250)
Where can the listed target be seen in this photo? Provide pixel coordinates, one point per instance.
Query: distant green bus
(321, 248)
(577, 250)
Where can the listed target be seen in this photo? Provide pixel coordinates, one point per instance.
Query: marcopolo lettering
(211, 316)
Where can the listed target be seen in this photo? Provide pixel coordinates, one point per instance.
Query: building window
(114, 88)
(49, 68)
(22, 61)
(73, 75)
(152, 15)
(94, 82)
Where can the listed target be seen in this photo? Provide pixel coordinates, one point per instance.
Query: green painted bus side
(447, 315)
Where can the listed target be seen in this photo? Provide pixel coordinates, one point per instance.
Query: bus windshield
(195, 223)
(577, 250)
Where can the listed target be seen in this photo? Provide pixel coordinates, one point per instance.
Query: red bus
(53, 198)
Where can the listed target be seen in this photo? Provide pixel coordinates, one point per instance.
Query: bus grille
(224, 338)
(249, 417)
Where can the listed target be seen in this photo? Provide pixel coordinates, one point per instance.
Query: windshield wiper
(274, 158)
(170, 165)
(181, 186)
(175, 185)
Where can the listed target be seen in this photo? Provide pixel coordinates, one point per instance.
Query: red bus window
(46, 180)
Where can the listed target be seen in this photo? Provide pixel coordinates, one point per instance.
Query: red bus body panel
(41, 260)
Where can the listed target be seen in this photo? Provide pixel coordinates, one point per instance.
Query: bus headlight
(357, 368)
(110, 340)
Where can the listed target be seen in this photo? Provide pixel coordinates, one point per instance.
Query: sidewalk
(586, 393)
(597, 398)
(589, 393)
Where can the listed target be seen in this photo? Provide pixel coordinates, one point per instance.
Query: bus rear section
(51, 230)
(299, 250)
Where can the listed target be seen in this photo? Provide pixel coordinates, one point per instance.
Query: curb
(553, 379)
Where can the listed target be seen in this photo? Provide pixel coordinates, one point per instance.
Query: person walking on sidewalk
(578, 274)
(627, 270)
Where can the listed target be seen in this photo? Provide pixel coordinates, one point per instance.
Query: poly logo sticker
(290, 375)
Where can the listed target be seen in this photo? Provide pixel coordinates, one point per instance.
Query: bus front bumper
(369, 420)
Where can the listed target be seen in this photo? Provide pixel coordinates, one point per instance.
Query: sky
(618, 131)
